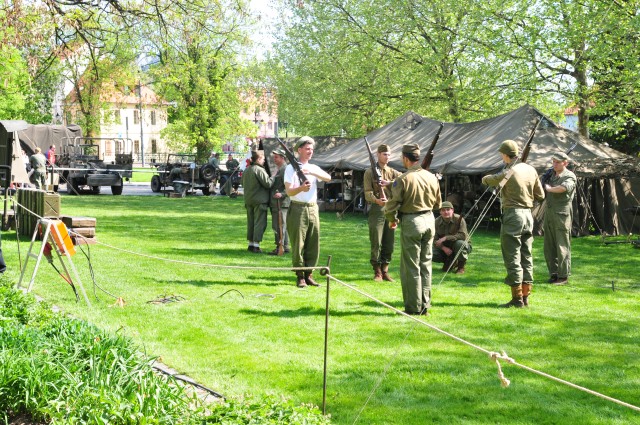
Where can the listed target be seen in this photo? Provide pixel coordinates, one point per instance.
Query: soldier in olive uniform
(303, 219)
(232, 163)
(256, 183)
(381, 236)
(38, 164)
(558, 217)
(279, 203)
(451, 239)
(414, 195)
(520, 187)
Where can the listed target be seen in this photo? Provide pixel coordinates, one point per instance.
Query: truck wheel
(206, 191)
(117, 190)
(207, 172)
(156, 184)
(95, 190)
(223, 180)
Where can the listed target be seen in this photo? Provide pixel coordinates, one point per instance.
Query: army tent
(470, 149)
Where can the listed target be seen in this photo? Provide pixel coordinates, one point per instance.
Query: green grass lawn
(247, 331)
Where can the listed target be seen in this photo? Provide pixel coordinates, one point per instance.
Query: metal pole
(326, 340)
(141, 126)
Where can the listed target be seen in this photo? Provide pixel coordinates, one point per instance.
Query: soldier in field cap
(451, 239)
(558, 217)
(279, 203)
(521, 188)
(414, 195)
(381, 236)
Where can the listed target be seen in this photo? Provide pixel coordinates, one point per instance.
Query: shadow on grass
(308, 311)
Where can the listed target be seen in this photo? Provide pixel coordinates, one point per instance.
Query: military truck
(182, 174)
(83, 167)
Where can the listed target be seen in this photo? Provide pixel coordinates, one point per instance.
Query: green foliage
(14, 86)
(266, 410)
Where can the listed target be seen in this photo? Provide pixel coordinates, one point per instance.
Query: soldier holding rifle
(377, 192)
(520, 188)
(279, 204)
(414, 195)
(303, 221)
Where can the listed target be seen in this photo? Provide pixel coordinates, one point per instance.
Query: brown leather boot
(461, 263)
(308, 278)
(385, 273)
(516, 298)
(526, 290)
(377, 271)
(300, 280)
(447, 263)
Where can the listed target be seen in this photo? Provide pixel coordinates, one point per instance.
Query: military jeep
(183, 175)
(85, 170)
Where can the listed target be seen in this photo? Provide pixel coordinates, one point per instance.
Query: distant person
(51, 155)
(279, 203)
(450, 239)
(38, 164)
(214, 159)
(558, 217)
(303, 220)
(414, 195)
(521, 189)
(25, 159)
(381, 236)
(256, 183)
(232, 163)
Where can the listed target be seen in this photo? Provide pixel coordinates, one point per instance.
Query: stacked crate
(36, 203)
(82, 229)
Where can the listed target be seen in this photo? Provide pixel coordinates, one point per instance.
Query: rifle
(375, 171)
(293, 161)
(547, 174)
(428, 157)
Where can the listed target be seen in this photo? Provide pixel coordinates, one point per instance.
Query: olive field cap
(509, 148)
(446, 204)
(411, 148)
(560, 156)
(278, 151)
(303, 141)
(383, 148)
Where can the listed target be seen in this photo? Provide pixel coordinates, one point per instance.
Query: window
(117, 116)
(153, 117)
(154, 146)
(136, 146)
(108, 148)
(270, 125)
(136, 116)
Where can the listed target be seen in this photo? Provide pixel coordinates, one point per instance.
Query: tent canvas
(471, 149)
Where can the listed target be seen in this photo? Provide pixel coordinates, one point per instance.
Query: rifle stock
(293, 161)
(375, 172)
(428, 157)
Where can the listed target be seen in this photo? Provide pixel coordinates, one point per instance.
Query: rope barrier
(324, 270)
(494, 356)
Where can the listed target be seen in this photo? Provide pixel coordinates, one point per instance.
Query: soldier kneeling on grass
(450, 240)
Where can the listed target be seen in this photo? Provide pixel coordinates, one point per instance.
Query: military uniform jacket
(562, 202)
(277, 186)
(522, 188)
(450, 229)
(414, 191)
(256, 184)
(371, 189)
(232, 164)
(38, 162)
